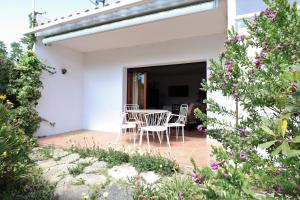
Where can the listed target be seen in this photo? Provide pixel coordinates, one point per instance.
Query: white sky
(14, 14)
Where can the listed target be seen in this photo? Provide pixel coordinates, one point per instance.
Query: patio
(195, 146)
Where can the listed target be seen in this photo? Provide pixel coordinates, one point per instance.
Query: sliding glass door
(137, 89)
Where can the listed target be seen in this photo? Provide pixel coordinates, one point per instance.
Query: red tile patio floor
(195, 146)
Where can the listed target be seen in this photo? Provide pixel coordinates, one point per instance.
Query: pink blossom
(280, 46)
(242, 131)
(243, 156)
(298, 186)
(214, 165)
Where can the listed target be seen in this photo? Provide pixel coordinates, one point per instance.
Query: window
(245, 6)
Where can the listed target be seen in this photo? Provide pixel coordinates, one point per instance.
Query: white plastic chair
(128, 108)
(180, 122)
(156, 123)
(132, 127)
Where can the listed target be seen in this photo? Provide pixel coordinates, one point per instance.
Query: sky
(14, 14)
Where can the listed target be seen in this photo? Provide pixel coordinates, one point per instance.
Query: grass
(78, 169)
(146, 162)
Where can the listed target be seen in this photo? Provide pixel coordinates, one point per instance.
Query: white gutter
(134, 22)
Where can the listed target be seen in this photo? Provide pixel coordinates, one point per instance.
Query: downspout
(130, 22)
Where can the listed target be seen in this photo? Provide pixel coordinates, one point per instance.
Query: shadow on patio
(195, 146)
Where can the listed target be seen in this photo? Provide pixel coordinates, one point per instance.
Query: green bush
(260, 73)
(156, 163)
(30, 187)
(15, 147)
(18, 177)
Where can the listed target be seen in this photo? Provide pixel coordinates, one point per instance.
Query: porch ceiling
(198, 24)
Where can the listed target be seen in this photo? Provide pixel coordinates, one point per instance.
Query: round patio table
(147, 111)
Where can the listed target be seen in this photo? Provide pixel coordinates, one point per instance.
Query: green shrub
(18, 177)
(112, 157)
(15, 147)
(156, 163)
(30, 187)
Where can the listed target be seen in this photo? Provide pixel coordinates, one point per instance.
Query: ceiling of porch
(198, 24)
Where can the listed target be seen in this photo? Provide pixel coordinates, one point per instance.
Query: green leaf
(296, 139)
(292, 153)
(285, 148)
(267, 130)
(266, 144)
(277, 150)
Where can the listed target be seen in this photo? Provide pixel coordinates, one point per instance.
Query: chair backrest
(129, 107)
(157, 119)
(184, 108)
(124, 117)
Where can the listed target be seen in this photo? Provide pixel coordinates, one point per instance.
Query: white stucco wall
(62, 95)
(105, 75)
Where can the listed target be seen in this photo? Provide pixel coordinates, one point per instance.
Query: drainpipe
(130, 22)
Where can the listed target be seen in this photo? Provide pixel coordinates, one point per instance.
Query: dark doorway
(167, 87)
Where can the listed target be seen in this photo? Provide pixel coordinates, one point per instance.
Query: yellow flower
(4, 154)
(284, 124)
(2, 97)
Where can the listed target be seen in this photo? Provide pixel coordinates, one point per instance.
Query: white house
(131, 51)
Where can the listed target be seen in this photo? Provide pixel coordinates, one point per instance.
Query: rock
(92, 179)
(66, 190)
(86, 160)
(116, 192)
(150, 177)
(69, 158)
(58, 153)
(45, 164)
(123, 172)
(95, 167)
(53, 174)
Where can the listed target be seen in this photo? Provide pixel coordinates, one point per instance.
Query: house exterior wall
(105, 84)
(62, 95)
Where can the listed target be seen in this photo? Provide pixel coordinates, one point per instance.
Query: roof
(109, 13)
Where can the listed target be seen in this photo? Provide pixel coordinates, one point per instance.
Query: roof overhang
(117, 12)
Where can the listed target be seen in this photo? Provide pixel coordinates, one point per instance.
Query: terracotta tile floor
(195, 146)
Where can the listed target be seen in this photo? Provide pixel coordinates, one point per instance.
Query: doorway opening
(167, 87)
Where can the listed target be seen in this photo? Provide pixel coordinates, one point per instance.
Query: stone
(69, 158)
(53, 174)
(45, 164)
(90, 160)
(66, 190)
(92, 179)
(58, 153)
(95, 167)
(116, 192)
(150, 177)
(123, 172)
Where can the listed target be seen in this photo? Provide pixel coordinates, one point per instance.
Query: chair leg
(159, 137)
(183, 134)
(168, 140)
(119, 135)
(134, 136)
(141, 137)
(148, 140)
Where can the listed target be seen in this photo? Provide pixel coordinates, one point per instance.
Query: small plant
(143, 191)
(78, 169)
(156, 163)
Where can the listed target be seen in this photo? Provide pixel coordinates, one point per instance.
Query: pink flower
(181, 195)
(277, 172)
(242, 131)
(243, 156)
(196, 178)
(201, 129)
(214, 165)
(280, 46)
(298, 186)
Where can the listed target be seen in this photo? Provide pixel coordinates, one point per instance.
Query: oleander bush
(260, 157)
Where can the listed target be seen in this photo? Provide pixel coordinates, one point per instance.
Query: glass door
(137, 89)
